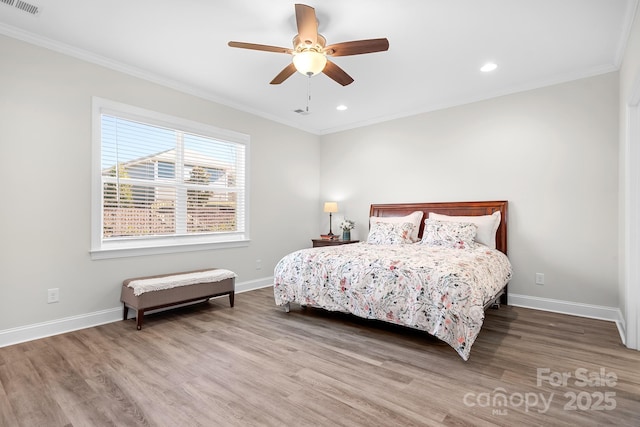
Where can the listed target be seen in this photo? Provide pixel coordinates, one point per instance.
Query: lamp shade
(309, 62)
(330, 207)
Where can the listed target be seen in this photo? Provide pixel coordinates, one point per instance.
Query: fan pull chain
(308, 92)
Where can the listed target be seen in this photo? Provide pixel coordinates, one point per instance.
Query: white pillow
(414, 218)
(487, 225)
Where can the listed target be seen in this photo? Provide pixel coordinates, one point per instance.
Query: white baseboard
(60, 326)
(612, 314)
(254, 284)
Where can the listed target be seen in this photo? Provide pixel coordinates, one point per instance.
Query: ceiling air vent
(23, 6)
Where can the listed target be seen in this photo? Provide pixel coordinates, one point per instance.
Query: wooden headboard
(449, 208)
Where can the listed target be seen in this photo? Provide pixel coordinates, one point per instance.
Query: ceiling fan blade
(336, 73)
(357, 47)
(284, 74)
(262, 47)
(307, 24)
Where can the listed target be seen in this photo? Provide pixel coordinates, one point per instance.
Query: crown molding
(632, 8)
(102, 61)
(200, 93)
(552, 81)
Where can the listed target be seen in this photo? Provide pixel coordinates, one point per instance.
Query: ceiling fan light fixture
(489, 67)
(310, 50)
(309, 62)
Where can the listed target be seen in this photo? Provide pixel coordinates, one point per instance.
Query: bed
(427, 266)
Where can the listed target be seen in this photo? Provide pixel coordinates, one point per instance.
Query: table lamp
(330, 207)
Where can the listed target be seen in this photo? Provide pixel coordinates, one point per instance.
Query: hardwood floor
(212, 365)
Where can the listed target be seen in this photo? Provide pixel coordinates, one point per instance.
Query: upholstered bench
(153, 292)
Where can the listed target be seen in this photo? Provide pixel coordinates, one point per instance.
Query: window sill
(125, 252)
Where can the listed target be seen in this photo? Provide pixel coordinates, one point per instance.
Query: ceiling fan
(310, 51)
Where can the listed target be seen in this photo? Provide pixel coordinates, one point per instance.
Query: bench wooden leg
(139, 318)
(125, 312)
(231, 297)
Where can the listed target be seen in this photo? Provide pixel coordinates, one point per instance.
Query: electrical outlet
(53, 295)
(258, 264)
(539, 279)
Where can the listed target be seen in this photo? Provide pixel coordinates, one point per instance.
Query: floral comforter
(438, 290)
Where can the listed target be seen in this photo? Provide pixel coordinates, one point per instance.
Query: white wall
(45, 156)
(551, 152)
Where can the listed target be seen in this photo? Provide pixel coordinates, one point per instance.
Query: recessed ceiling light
(341, 107)
(488, 67)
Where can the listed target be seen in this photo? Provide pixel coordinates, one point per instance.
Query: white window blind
(161, 180)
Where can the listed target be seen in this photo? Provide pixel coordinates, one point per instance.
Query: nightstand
(326, 242)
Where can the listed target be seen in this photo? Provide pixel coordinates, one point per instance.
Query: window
(163, 184)
(166, 170)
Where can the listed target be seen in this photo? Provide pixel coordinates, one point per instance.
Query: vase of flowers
(347, 225)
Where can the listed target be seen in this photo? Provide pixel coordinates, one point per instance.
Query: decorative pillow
(414, 218)
(389, 233)
(487, 225)
(458, 235)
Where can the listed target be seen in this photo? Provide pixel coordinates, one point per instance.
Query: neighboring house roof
(192, 157)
